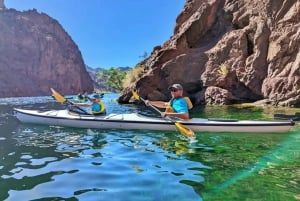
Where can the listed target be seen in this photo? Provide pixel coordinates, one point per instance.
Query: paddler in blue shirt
(95, 108)
(177, 107)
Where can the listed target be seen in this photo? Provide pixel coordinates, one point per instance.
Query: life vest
(189, 103)
(102, 108)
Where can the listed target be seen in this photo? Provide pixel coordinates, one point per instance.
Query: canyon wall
(228, 51)
(36, 53)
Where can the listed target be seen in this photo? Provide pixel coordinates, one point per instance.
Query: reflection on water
(110, 163)
(56, 163)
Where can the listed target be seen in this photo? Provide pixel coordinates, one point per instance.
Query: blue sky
(111, 33)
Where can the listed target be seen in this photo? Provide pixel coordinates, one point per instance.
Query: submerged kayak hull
(137, 121)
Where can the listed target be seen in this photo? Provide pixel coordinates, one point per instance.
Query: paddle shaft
(79, 108)
(151, 106)
(182, 129)
(156, 109)
(62, 99)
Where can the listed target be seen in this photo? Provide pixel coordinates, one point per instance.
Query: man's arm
(159, 104)
(184, 116)
(80, 104)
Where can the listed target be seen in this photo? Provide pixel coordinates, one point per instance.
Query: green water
(251, 166)
(55, 163)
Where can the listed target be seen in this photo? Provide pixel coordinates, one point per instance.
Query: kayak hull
(137, 121)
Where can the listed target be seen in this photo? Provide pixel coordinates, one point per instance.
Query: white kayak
(138, 121)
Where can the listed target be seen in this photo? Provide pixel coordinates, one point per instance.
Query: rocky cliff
(36, 54)
(228, 51)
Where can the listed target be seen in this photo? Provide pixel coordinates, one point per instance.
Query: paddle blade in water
(57, 96)
(135, 95)
(184, 130)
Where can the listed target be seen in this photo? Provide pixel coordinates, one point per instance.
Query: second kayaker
(95, 108)
(178, 106)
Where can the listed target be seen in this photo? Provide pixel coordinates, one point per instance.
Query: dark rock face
(241, 51)
(36, 54)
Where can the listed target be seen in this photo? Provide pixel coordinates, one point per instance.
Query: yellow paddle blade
(57, 96)
(135, 95)
(184, 130)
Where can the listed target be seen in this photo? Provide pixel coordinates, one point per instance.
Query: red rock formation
(241, 51)
(36, 54)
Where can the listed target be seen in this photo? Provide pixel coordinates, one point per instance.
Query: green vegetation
(223, 69)
(116, 79)
(133, 75)
(144, 56)
(113, 78)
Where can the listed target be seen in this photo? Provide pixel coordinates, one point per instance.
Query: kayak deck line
(223, 120)
(135, 117)
(139, 121)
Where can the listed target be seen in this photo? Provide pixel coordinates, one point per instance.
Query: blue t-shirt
(180, 105)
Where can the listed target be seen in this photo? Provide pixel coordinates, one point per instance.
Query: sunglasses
(173, 90)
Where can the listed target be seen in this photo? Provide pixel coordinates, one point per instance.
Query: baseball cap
(176, 86)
